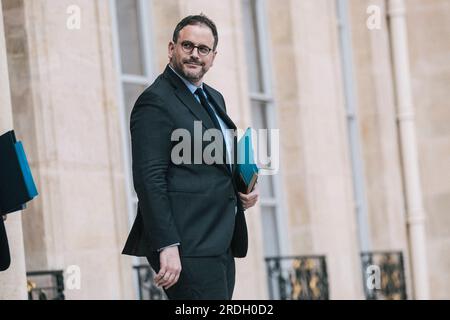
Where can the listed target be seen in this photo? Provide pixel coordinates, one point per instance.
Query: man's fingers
(170, 278)
(248, 197)
(160, 275)
(250, 203)
(251, 200)
(162, 280)
(166, 276)
(166, 279)
(169, 281)
(175, 280)
(170, 267)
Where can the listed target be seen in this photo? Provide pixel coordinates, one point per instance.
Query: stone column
(406, 117)
(63, 88)
(13, 280)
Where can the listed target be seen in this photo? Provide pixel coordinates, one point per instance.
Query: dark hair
(196, 20)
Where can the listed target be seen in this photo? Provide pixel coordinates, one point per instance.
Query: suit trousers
(202, 278)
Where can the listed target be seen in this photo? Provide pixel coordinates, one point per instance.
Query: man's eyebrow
(200, 44)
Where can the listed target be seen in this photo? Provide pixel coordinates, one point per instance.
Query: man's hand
(170, 267)
(249, 200)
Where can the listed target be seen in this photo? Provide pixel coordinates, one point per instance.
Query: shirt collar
(192, 87)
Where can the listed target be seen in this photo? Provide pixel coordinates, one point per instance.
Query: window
(263, 113)
(131, 23)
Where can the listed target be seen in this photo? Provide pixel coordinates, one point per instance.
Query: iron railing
(306, 278)
(383, 275)
(297, 278)
(147, 288)
(45, 285)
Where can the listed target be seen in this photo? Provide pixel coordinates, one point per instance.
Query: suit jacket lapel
(220, 108)
(188, 99)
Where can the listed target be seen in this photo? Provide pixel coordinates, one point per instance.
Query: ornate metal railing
(383, 275)
(297, 278)
(45, 285)
(147, 288)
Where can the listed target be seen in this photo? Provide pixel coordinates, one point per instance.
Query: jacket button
(231, 197)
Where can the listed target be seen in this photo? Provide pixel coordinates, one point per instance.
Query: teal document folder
(16, 181)
(26, 172)
(246, 167)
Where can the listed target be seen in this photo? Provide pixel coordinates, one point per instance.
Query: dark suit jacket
(193, 204)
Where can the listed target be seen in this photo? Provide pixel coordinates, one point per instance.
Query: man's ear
(170, 49)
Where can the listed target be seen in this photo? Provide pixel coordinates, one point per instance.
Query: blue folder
(17, 186)
(246, 167)
(26, 172)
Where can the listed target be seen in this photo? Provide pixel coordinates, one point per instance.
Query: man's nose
(195, 54)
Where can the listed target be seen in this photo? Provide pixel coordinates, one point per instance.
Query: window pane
(259, 115)
(262, 149)
(252, 46)
(129, 37)
(260, 121)
(131, 92)
(265, 186)
(270, 232)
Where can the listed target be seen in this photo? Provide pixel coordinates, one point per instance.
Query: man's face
(192, 66)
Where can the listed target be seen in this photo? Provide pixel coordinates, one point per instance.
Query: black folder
(16, 182)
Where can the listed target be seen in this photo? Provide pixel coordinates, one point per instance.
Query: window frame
(267, 100)
(146, 40)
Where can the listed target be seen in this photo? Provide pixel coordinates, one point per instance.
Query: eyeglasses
(188, 47)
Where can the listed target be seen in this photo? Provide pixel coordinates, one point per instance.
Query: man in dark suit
(190, 222)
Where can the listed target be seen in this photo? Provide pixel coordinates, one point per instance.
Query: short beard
(178, 66)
